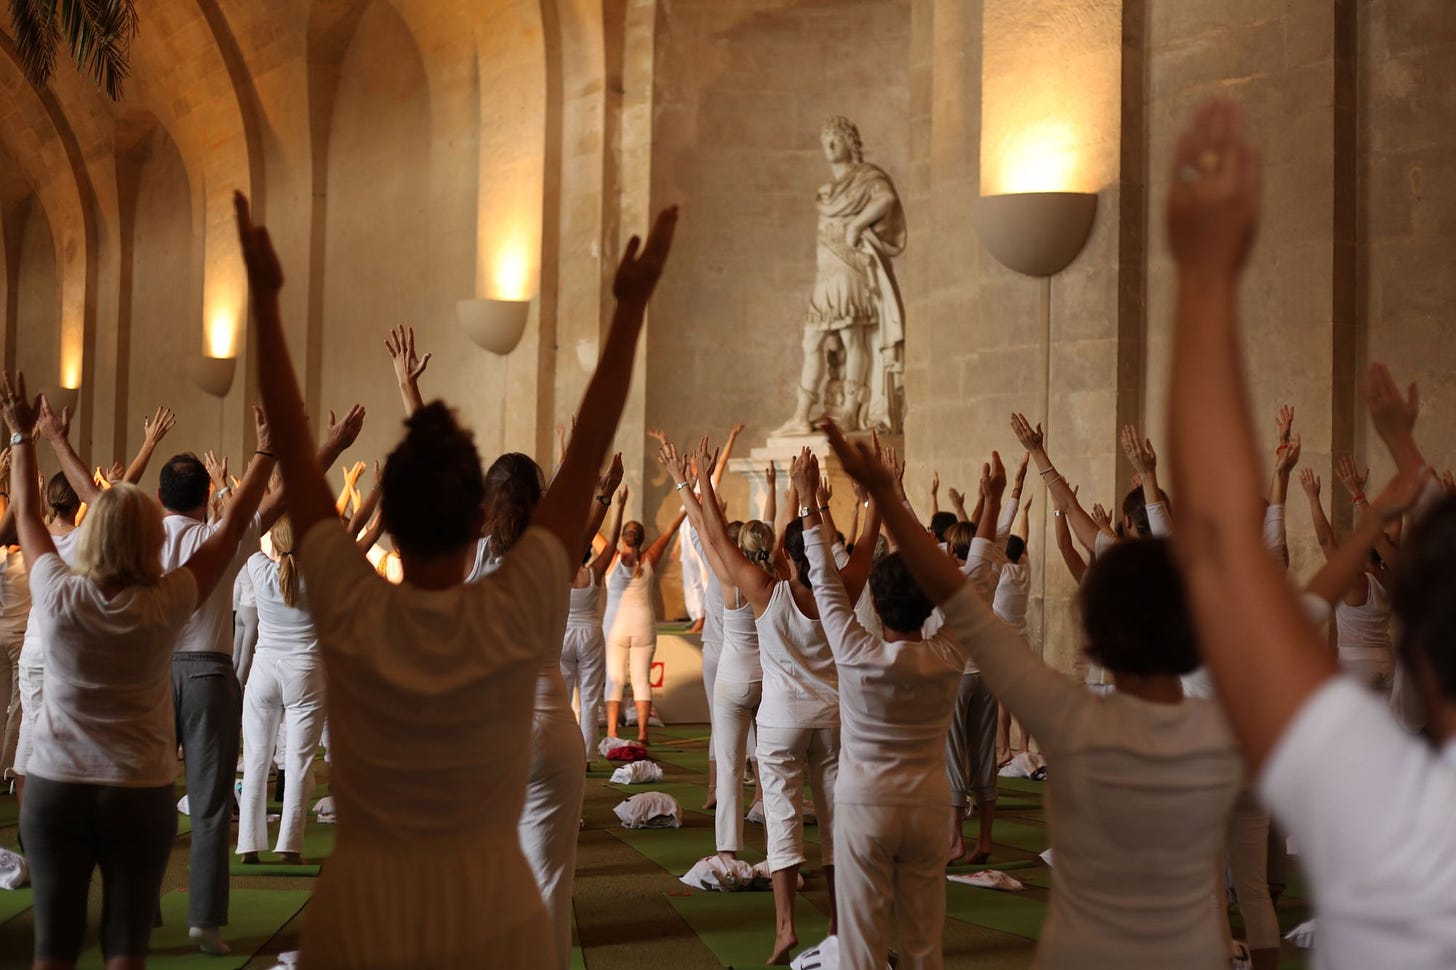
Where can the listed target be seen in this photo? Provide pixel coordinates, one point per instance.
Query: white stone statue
(854, 333)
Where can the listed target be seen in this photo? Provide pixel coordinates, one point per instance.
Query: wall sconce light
(496, 325)
(1036, 233)
(62, 397)
(213, 375)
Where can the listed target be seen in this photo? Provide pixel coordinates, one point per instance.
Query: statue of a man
(856, 303)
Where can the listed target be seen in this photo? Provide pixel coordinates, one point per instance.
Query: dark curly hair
(433, 486)
(1135, 611)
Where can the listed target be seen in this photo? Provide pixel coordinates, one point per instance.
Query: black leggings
(70, 829)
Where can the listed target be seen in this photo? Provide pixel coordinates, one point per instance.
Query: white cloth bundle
(14, 873)
(182, 805)
(324, 810)
(825, 956)
(1047, 858)
(721, 875)
(1027, 764)
(1302, 935)
(650, 810)
(755, 813)
(989, 879)
(637, 773)
(621, 749)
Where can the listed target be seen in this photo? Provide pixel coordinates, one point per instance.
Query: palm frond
(98, 32)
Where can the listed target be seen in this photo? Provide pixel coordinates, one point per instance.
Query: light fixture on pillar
(496, 325)
(213, 371)
(1036, 233)
(62, 397)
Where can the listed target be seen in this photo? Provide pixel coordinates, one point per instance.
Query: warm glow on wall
(222, 333)
(1040, 158)
(71, 367)
(510, 273)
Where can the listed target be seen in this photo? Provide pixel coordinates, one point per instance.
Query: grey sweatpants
(970, 747)
(69, 830)
(209, 706)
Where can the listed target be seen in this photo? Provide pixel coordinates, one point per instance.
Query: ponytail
(282, 536)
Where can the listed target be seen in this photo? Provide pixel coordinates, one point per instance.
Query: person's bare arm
(1265, 658)
(209, 562)
(21, 416)
(1286, 455)
(408, 366)
(755, 584)
(1323, 531)
(856, 572)
(1344, 566)
(562, 510)
(350, 489)
(958, 505)
(934, 493)
(602, 502)
(1144, 460)
(340, 436)
(1062, 496)
(155, 428)
(771, 496)
(365, 512)
(1075, 564)
(614, 532)
(654, 552)
(56, 428)
(366, 539)
(682, 468)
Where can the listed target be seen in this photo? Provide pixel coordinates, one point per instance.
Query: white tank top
(32, 651)
(738, 663)
(629, 602)
(1363, 632)
(585, 601)
(800, 681)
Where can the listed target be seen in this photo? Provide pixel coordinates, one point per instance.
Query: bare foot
(250, 858)
(712, 801)
(782, 946)
(697, 627)
(643, 740)
(957, 850)
(979, 857)
(1003, 757)
(290, 859)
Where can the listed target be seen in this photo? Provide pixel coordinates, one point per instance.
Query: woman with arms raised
(430, 683)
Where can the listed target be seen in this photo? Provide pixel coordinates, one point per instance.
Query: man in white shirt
(205, 690)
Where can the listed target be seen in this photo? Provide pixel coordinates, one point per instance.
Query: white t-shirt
(281, 628)
(212, 626)
(430, 691)
(32, 651)
(1138, 807)
(1369, 806)
(106, 715)
(243, 596)
(895, 700)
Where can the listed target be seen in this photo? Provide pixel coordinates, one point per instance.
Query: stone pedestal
(780, 451)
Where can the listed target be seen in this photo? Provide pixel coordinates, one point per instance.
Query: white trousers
(32, 678)
(695, 580)
(1247, 853)
(711, 654)
(551, 818)
(787, 757)
(624, 652)
(10, 698)
(289, 688)
(890, 877)
(733, 710)
(583, 667)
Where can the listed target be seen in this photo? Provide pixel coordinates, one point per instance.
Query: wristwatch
(605, 500)
(805, 511)
(16, 438)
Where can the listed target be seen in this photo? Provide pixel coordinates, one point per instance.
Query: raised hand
(1139, 450)
(1284, 423)
(771, 476)
(265, 273)
(804, 473)
(737, 429)
(935, 483)
(607, 484)
(1100, 516)
(115, 473)
(997, 479)
(658, 435)
(217, 469)
(157, 426)
(352, 474)
(1213, 204)
(1021, 472)
(622, 495)
(1391, 412)
(957, 498)
(861, 462)
(641, 265)
(1351, 477)
(1031, 439)
(676, 464)
(408, 365)
(1288, 456)
(826, 487)
(53, 426)
(343, 433)
(262, 435)
(1310, 482)
(1400, 494)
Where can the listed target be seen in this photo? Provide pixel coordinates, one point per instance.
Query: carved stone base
(781, 450)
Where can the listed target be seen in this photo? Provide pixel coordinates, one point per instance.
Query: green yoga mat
(694, 761)
(13, 902)
(9, 811)
(1013, 913)
(676, 850)
(739, 927)
(1024, 785)
(254, 917)
(318, 843)
(1018, 835)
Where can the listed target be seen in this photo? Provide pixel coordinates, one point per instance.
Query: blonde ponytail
(282, 536)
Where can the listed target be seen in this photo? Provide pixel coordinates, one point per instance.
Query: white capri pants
(733, 710)
(32, 678)
(711, 655)
(583, 667)
(10, 697)
(634, 652)
(287, 687)
(787, 757)
(890, 877)
(551, 818)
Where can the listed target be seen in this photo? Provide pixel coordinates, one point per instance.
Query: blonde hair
(756, 539)
(282, 536)
(121, 543)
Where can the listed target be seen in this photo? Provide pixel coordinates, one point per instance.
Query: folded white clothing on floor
(755, 813)
(14, 873)
(637, 773)
(1047, 857)
(989, 879)
(629, 717)
(825, 956)
(324, 810)
(182, 805)
(286, 961)
(720, 875)
(650, 810)
(1302, 935)
(763, 879)
(1027, 764)
(621, 749)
